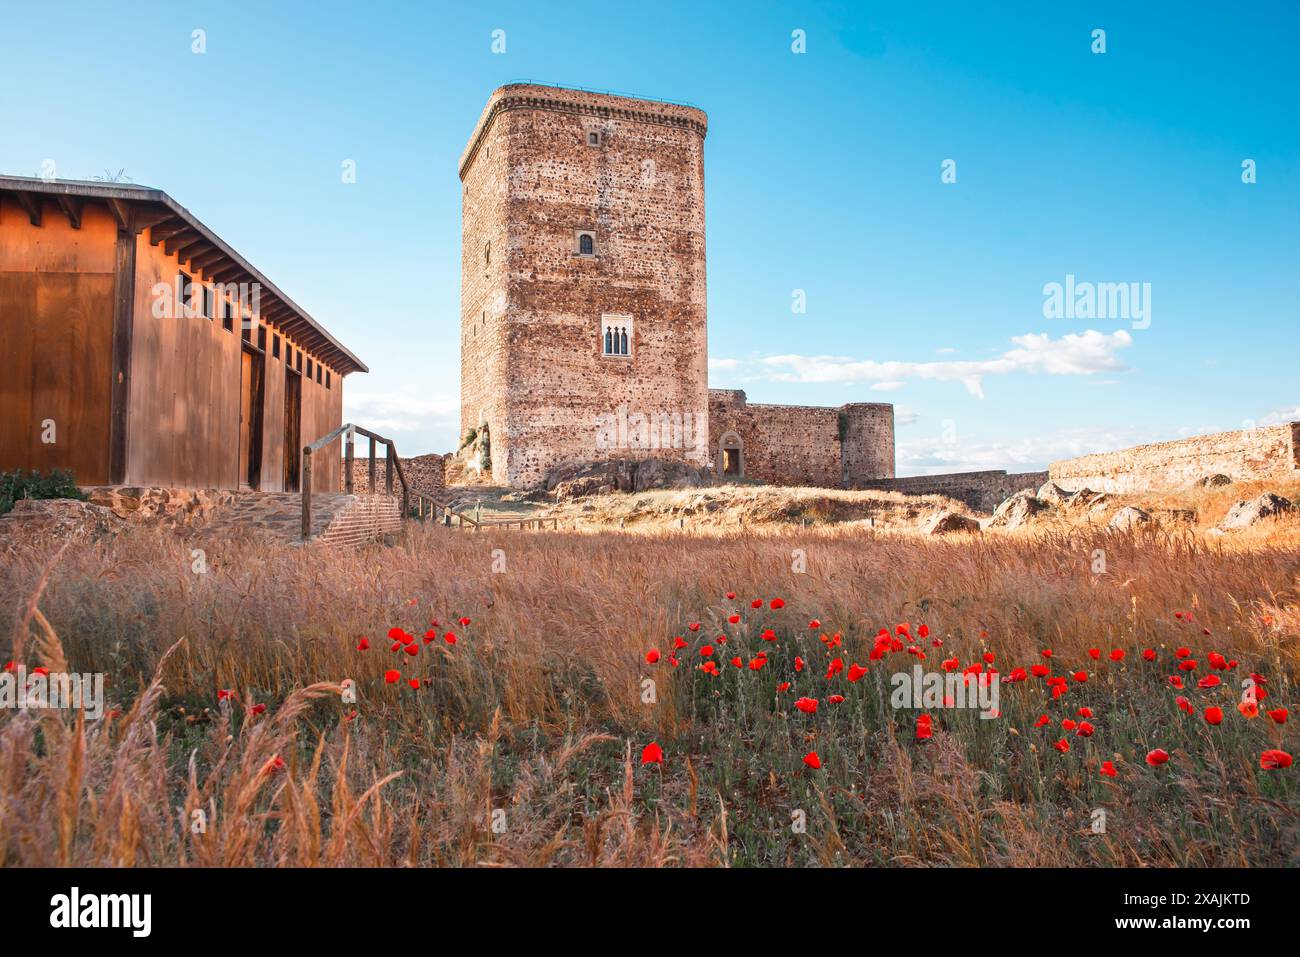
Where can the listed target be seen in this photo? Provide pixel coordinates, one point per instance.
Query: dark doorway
(731, 453)
(292, 428)
(731, 461)
(251, 388)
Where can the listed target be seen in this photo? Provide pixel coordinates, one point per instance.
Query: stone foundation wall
(981, 491)
(1263, 452)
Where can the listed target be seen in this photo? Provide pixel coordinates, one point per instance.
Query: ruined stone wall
(804, 445)
(981, 491)
(1252, 453)
(538, 369)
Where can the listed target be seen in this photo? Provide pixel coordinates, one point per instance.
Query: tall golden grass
(537, 711)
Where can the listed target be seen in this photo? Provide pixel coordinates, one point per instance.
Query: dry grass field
(518, 727)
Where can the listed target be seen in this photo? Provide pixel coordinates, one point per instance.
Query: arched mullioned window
(623, 342)
(616, 336)
(586, 246)
(609, 342)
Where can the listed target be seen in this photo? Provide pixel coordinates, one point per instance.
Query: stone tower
(583, 326)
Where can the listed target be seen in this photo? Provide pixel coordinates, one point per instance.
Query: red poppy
(1279, 715)
(652, 754)
(396, 634)
(738, 661)
(923, 631)
(1183, 652)
(836, 666)
(1017, 674)
(756, 603)
(1094, 653)
(449, 637)
(652, 656)
(223, 694)
(1068, 724)
(1157, 757)
(1081, 676)
(731, 594)
(1213, 715)
(733, 619)
(988, 657)
(856, 671)
(1184, 704)
(392, 676)
(807, 705)
(1176, 681)
(1044, 720)
(257, 709)
(679, 642)
(363, 644)
(812, 760)
(1039, 671)
(1249, 708)
(1149, 654)
(412, 649)
(1117, 654)
(1273, 760)
(414, 683)
(1187, 664)
(783, 686)
(464, 622)
(1108, 769)
(709, 667)
(1217, 661)
(768, 635)
(1085, 730)
(274, 765)
(798, 663)
(1084, 712)
(431, 635)
(778, 603)
(924, 727)
(1046, 652)
(694, 626)
(706, 651)
(836, 699)
(814, 624)
(757, 662)
(1062, 745)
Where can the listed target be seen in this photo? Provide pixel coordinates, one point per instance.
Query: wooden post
(348, 457)
(306, 494)
(370, 486)
(388, 470)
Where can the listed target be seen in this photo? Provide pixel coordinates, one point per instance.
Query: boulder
(944, 523)
(1053, 494)
(623, 475)
(60, 519)
(1017, 510)
(1213, 481)
(1245, 514)
(1130, 516)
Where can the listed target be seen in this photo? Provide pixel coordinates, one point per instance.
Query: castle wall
(1248, 454)
(981, 491)
(550, 391)
(804, 445)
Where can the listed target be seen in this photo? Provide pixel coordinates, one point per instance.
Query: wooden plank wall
(56, 329)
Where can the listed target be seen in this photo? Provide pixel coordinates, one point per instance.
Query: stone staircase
(338, 518)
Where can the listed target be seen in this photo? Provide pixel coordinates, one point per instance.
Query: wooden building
(138, 348)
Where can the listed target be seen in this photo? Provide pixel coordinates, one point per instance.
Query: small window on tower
(616, 336)
(585, 243)
(487, 253)
(593, 139)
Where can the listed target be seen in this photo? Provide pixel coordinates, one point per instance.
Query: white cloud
(1288, 413)
(936, 454)
(1073, 354)
(888, 386)
(723, 363)
(945, 351)
(416, 422)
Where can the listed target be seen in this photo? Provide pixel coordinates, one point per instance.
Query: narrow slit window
(275, 346)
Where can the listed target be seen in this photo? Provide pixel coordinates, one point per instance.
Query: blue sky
(822, 174)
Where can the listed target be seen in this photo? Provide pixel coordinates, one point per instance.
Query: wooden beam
(207, 259)
(188, 251)
(31, 205)
(149, 218)
(123, 333)
(71, 206)
(124, 213)
(172, 244)
(166, 229)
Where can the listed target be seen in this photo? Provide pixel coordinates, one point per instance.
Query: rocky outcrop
(1245, 514)
(1130, 517)
(623, 475)
(1053, 494)
(1212, 481)
(945, 523)
(57, 520)
(1017, 510)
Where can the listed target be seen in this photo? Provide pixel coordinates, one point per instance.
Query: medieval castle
(584, 331)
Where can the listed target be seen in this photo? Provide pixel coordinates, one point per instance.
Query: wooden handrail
(348, 432)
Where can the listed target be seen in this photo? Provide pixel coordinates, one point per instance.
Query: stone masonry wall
(1253, 453)
(424, 473)
(534, 368)
(804, 445)
(981, 491)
